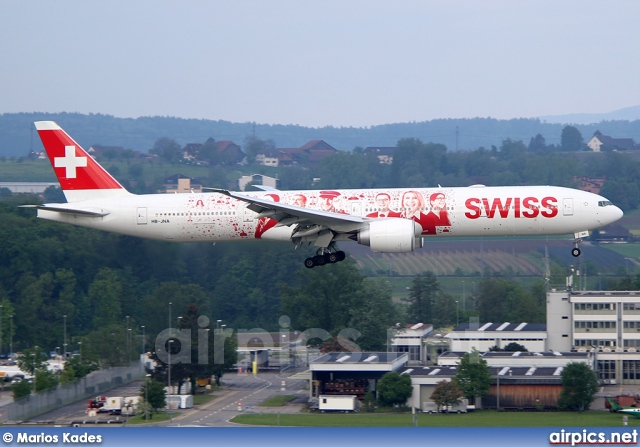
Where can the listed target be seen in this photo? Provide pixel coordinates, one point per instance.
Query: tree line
(17, 131)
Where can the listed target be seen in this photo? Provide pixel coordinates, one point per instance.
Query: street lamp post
(464, 300)
(498, 392)
(143, 340)
(80, 350)
(11, 337)
(33, 368)
(1, 331)
(64, 349)
(169, 373)
(128, 333)
(599, 281)
(595, 362)
(146, 399)
(129, 341)
(457, 314)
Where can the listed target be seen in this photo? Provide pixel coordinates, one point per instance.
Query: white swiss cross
(70, 162)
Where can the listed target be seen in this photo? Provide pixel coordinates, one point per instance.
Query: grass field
(156, 417)
(458, 286)
(26, 171)
(485, 418)
(277, 401)
(201, 399)
(626, 250)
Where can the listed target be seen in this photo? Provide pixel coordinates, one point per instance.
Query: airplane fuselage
(468, 211)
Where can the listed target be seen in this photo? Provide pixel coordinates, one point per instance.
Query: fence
(96, 383)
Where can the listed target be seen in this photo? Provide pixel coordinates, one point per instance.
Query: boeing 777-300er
(386, 220)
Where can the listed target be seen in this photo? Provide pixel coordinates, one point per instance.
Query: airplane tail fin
(614, 405)
(80, 176)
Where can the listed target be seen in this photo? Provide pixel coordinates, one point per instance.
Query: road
(247, 389)
(250, 391)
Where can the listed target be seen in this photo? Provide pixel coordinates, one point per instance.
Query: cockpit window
(605, 203)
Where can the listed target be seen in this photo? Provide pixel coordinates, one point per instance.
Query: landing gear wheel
(575, 252)
(331, 258)
(319, 260)
(309, 263)
(341, 255)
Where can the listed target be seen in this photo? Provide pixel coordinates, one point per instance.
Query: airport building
(484, 336)
(352, 373)
(521, 380)
(519, 359)
(513, 388)
(412, 340)
(604, 322)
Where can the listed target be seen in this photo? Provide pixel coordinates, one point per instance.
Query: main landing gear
(323, 256)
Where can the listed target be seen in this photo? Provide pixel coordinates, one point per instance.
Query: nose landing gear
(577, 238)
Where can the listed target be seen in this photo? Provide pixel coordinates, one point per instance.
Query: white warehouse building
(606, 322)
(483, 336)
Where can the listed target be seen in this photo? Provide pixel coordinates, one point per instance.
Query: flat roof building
(606, 322)
(484, 336)
(352, 373)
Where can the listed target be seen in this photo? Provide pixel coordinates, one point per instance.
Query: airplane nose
(617, 213)
(613, 214)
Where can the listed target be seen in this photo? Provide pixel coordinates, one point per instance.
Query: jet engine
(391, 235)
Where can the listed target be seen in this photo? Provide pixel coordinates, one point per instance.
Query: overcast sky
(317, 63)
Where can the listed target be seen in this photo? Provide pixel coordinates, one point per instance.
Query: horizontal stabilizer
(66, 210)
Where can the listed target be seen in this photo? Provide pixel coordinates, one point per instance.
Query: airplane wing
(309, 220)
(266, 188)
(66, 210)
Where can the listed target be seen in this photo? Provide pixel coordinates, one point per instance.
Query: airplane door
(567, 207)
(142, 215)
(356, 209)
(248, 215)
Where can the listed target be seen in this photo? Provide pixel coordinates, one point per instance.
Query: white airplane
(614, 406)
(386, 220)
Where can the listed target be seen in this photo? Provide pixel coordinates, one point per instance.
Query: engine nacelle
(391, 235)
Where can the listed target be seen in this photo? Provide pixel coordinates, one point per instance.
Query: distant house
(110, 152)
(384, 154)
(599, 143)
(590, 184)
(42, 155)
(308, 154)
(190, 152)
(269, 157)
(230, 152)
(227, 152)
(612, 233)
(179, 183)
